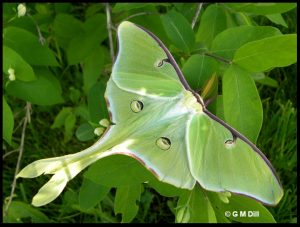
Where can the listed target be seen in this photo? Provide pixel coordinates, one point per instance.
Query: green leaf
(242, 209)
(83, 45)
(96, 24)
(188, 10)
(120, 7)
(69, 126)
(241, 102)
(92, 9)
(91, 194)
(198, 69)
(8, 122)
(227, 42)
(92, 67)
(65, 28)
(126, 201)
(11, 59)
(96, 102)
(277, 19)
(83, 112)
(110, 172)
(29, 47)
(164, 189)
(80, 47)
(74, 94)
(214, 20)
(37, 91)
(153, 23)
(61, 117)
(262, 8)
(263, 79)
(195, 207)
(20, 212)
(178, 30)
(85, 132)
(264, 54)
(62, 7)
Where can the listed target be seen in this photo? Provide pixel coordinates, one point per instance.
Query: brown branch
(21, 149)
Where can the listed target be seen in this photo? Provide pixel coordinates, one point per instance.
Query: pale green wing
(142, 66)
(138, 133)
(142, 130)
(220, 162)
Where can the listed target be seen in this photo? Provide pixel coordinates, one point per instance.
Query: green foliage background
(64, 80)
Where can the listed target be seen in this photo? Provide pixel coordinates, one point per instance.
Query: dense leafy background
(61, 58)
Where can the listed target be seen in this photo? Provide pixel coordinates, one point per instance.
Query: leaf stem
(218, 58)
(109, 27)
(21, 149)
(197, 14)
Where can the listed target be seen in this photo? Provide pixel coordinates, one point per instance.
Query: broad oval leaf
(198, 69)
(241, 102)
(70, 122)
(61, 117)
(92, 67)
(85, 43)
(96, 102)
(214, 20)
(110, 171)
(264, 54)
(67, 27)
(277, 19)
(85, 132)
(195, 207)
(241, 209)
(126, 201)
(22, 70)
(29, 47)
(37, 91)
(262, 8)
(91, 194)
(227, 42)
(178, 30)
(8, 122)
(165, 189)
(20, 212)
(121, 7)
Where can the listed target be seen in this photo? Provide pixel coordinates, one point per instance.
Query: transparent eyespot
(136, 106)
(163, 143)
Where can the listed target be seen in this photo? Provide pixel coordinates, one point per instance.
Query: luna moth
(160, 121)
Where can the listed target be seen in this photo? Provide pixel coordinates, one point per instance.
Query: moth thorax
(191, 103)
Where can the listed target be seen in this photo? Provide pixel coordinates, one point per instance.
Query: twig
(21, 149)
(9, 153)
(197, 14)
(109, 26)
